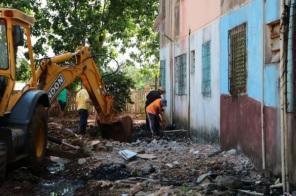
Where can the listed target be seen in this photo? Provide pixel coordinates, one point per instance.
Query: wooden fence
(138, 97)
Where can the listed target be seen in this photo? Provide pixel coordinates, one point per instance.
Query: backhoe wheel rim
(40, 137)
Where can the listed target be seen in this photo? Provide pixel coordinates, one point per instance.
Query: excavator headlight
(8, 13)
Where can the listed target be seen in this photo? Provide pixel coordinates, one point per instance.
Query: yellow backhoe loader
(53, 75)
(23, 114)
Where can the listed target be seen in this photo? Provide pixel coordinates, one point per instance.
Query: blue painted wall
(272, 11)
(251, 14)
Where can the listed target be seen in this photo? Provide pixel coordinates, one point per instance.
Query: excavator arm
(52, 78)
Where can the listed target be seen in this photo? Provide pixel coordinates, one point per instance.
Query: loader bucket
(120, 130)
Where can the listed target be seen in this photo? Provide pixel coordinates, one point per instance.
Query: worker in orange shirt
(154, 113)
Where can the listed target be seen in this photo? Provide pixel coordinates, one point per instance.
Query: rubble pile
(165, 166)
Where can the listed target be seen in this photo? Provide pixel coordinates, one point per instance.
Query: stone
(141, 193)
(136, 188)
(146, 156)
(147, 169)
(81, 161)
(94, 142)
(202, 177)
(169, 165)
(229, 182)
(231, 152)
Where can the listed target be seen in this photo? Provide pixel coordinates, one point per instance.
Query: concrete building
(249, 61)
(189, 32)
(220, 67)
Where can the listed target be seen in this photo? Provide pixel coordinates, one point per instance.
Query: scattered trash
(127, 154)
(172, 165)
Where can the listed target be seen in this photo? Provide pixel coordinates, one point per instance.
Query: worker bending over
(154, 113)
(152, 96)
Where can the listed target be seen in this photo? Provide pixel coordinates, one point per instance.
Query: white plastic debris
(127, 154)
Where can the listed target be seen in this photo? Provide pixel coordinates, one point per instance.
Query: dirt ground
(172, 165)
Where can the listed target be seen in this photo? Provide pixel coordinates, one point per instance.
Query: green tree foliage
(23, 71)
(109, 27)
(142, 76)
(119, 86)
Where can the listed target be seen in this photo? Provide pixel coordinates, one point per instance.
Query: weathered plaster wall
(201, 13)
(249, 14)
(228, 5)
(272, 116)
(205, 115)
(241, 116)
(165, 55)
(194, 15)
(180, 115)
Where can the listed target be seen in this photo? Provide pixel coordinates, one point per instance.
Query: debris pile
(168, 166)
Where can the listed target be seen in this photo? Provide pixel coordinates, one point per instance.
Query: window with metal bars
(206, 69)
(180, 62)
(162, 73)
(238, 60)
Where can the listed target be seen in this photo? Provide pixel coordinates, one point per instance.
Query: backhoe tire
(3, 161)
(37, 138)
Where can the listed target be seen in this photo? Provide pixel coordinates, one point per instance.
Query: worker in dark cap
(152, 96)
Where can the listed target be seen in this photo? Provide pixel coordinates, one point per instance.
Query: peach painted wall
(195, 14)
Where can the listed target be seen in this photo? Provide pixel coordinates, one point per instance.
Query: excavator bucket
(120, 129)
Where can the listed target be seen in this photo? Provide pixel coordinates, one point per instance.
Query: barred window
(206, 69)
(238, 60)
(162, 73)
(192, 61)
(180, 74)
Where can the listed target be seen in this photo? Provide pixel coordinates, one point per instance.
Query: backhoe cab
(23, 114)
